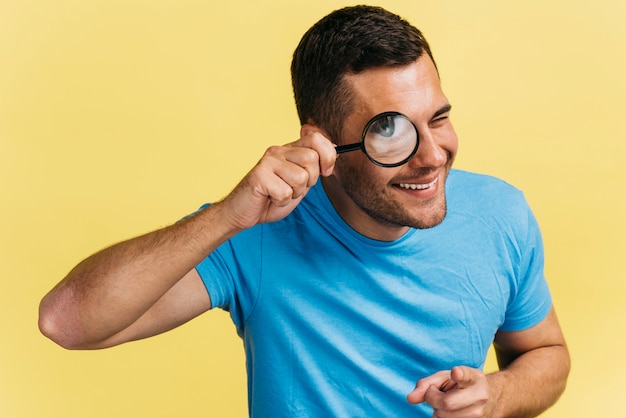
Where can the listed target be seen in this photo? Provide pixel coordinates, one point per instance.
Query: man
(391, 269)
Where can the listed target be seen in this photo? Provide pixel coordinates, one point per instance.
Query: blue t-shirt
(336, 324)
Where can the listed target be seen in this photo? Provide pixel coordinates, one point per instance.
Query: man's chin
(429, 220)
(429, 224)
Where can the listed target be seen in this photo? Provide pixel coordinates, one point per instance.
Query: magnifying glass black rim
(361, 145)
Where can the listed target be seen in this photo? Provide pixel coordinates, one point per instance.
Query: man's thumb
(463, 376)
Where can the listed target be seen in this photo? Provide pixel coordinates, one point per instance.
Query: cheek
(346, 172)
(359, 170)
(350, 165)
(451, 142)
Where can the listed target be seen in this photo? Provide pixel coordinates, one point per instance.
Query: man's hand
(534, 365)
(279, 181)
(460, 392)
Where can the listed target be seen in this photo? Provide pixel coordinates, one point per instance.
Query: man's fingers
(465, 393)
(437, 380)
(280, 179)
(297, 167)
(418, 394)
(312, 137)
(464, 376)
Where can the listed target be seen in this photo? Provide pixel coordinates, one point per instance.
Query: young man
(349, 277)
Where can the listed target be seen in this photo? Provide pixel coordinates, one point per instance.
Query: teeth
(418, 186)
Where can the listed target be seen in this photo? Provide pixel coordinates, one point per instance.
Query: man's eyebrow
(444, 109)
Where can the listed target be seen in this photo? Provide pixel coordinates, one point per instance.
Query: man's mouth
(418, 186)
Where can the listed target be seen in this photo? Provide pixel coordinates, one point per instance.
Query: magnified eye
(389, 139)
(384, 126)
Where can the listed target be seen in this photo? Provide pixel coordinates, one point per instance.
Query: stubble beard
(385, 209)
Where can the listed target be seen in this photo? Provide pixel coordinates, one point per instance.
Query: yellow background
(120, 116)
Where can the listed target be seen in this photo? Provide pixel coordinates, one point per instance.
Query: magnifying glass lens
(390, 139)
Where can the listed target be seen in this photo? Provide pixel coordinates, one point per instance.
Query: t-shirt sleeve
(530, 300)
(231, 274)
(216, 276)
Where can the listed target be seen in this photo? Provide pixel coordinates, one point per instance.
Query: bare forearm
(110, 290)
(531, 383)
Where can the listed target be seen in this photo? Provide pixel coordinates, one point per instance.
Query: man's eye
(384, 126)
(439, 120)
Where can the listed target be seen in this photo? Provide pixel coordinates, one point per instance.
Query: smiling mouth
(413, 186)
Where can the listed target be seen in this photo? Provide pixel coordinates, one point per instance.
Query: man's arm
(148, 285)
(137, 288)
(534, 365)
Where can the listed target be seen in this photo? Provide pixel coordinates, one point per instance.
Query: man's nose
(429, 152)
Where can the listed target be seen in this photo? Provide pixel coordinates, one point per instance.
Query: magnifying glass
(389, 139)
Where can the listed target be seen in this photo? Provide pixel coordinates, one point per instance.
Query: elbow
(55, 326)
(566, 368)
(51, 329)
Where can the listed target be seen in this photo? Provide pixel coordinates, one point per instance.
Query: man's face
(382, 202)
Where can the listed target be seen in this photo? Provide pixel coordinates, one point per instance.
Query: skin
(148, 285)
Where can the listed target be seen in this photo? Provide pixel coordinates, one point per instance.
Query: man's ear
(308, 129)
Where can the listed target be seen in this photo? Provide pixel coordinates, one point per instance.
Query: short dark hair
(347, 41)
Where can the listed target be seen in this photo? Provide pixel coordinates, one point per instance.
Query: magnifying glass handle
(347, 148)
